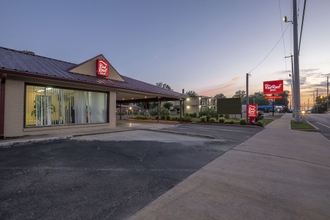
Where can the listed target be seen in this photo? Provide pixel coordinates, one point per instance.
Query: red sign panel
(102, 68)
(252, 111)
(273, 87)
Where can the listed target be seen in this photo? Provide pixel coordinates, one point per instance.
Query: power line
(279, 5)
(270, 50)
(302, 25)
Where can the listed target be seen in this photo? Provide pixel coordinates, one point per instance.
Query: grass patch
(301, 126)
(266, 121)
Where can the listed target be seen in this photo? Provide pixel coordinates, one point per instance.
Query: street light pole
(247, 96)
(327, 92)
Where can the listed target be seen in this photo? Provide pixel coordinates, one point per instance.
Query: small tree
(168, 105)
(191, 94)
(220, 96)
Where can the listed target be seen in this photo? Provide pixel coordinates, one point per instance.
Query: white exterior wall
(14, 108)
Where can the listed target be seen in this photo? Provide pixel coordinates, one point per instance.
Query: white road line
(323, 124)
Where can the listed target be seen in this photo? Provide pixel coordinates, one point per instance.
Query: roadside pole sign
(252, 112)
(273, 87)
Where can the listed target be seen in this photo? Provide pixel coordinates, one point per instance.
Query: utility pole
(317, 94)
(297, 117)
(247, 96)
(327, 93)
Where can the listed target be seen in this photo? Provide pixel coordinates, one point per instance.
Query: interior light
(187, 99)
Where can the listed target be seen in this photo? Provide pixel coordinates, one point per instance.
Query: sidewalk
(277, 174)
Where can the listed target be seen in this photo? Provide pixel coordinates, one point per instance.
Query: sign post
(252, 112)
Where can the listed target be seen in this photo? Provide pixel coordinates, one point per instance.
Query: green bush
(203, 118)
(209, 113)
(242, 121)
(142, 117)
(163, 113)
(231, 122)
(226, 116)
(186, 119)
(260, 124)
(222, 120)
(193, 115)
(260, 116)
(213, 120)
(221, 115)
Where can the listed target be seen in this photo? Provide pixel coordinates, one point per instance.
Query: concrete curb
(317, 129)
(179, 133)
(104, 132)
(31, 141)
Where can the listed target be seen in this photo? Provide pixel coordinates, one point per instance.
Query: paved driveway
(107, 177)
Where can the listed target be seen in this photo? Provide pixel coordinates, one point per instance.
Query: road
(108, 176)
(321, 121)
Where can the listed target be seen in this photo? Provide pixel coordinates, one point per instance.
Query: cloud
(222, 88)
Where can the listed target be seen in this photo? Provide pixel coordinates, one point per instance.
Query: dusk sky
(203, 45)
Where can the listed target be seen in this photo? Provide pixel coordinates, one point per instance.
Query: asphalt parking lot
(105, 177)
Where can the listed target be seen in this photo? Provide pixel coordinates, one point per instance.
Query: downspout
(2, 105)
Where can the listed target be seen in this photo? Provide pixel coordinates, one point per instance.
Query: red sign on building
(102, 68)
(252, 111)
(273, 87)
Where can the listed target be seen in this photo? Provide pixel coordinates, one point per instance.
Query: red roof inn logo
(273, 87)
(252, 110)
(102, 68)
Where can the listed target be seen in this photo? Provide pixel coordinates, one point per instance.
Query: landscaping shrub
(259, 124)
(222, 120)
(186, 119)
(203, 118)
(213, 120)
(141, 117)
(260, 116)
(193, 115)
(231, 122)
(242, 121)
(163, 112)
(226, 116)
(209, 113)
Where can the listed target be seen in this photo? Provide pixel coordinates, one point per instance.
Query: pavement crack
(27, 187)
(282, 157)
(116, 205)
(143, 156)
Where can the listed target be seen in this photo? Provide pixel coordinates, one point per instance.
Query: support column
(180, 110)
(2, 105)
(119, 111)
(158, 108)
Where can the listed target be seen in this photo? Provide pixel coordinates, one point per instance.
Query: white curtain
(98, 106)
(80, 106)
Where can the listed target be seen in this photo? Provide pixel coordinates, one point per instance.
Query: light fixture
(285, 19)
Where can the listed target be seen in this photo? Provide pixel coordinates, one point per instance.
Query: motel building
(40, 95)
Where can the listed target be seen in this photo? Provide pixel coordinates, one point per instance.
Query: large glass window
(46, 106)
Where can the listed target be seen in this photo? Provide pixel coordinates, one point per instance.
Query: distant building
(196, 104)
